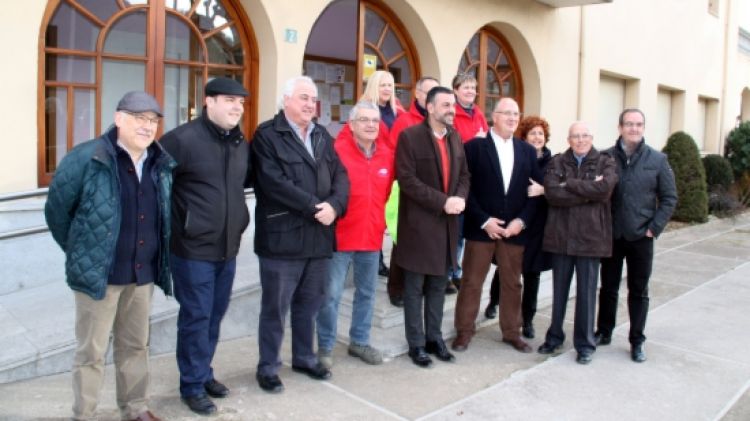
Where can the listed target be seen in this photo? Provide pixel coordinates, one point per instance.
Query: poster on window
(369, 64)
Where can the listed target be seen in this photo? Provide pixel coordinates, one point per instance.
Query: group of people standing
(131, 213)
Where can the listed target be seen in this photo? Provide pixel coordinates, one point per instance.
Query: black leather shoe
(317, 372)
(440, 351)
(271, 384)
(602, 339)
(528, 331)
(419, 356)
(491, 311)
(450, 289)
(200, 404)
(456, 283)
(546, 348)
(637, 354)
(584, 357)
(216, 389)
(383, 270)
(397, 301)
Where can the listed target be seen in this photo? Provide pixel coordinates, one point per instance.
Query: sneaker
(366, 353)
(326, 358)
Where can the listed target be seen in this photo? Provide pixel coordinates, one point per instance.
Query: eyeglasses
(365, 120)
(631, 124)
(142, 119)
(580, 137)
(515, 114)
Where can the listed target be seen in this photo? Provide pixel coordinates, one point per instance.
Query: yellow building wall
(562, 54)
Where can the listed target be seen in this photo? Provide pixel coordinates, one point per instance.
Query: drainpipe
(581, 62)
(723, 100)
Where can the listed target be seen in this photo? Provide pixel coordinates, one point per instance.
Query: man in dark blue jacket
(209, 215)
(497, 211)
(301, 187)
(108, 209)
(642, 204)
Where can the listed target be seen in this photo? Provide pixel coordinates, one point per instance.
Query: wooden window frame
(156, 15)
(484, 34)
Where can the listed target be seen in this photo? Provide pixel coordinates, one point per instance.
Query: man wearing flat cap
(209, 215)
(108, 209)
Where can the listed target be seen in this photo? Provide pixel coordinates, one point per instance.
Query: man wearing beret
(108, 209)
(209, 215)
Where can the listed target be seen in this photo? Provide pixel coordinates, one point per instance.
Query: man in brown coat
(432, 173)
(578, 185)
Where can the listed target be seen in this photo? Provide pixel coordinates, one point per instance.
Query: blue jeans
(203, 290)
(365, 279)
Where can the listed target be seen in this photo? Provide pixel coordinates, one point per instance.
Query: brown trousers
(477, 260)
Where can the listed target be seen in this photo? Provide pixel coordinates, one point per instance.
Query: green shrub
(718, 171)
(690, 177)
(738, 149)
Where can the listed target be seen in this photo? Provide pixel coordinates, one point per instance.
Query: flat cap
(225, 86)
(139, 102)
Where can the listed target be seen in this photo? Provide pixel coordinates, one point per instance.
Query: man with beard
(434, 181)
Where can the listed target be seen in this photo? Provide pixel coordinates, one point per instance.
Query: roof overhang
(568, 3)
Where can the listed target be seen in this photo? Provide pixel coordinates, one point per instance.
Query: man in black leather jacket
(642, 204)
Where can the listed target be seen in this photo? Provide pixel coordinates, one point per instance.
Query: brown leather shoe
(519, 345)
(461, 343)
(146, 416)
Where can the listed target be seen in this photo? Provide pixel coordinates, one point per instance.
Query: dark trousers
(203, 290)
(477, 261)
(639, 255)
(395, 283)
(530, 294)
(587, 272)
(296, 285)
(433, 288)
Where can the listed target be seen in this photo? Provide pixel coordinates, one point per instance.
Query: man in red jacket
(359, 233)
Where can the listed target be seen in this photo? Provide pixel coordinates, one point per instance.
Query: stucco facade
(678, 49)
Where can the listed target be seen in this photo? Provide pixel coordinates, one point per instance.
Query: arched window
(352, 38)
(490, 59)
(96, 50)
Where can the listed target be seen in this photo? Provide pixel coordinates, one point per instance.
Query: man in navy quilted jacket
(108, 208)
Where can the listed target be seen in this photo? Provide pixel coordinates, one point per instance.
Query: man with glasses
(108, 209)
(359, 233)
(497, 210)
(577, 184)
(642, 204)
(209, 215)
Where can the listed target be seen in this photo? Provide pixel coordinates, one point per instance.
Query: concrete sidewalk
(698, 366)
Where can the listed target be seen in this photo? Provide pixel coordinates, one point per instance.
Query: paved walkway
(698, 366)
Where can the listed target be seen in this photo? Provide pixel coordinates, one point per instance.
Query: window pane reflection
(180, 5)
(128, 35)
(70, 69)
(181, 43)
(118, 78)
(209, 14)
(221, 52)
(55, 127)
(69, 29)
(373, 26)
(103, 9)
(84, 116)
(179, 101)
